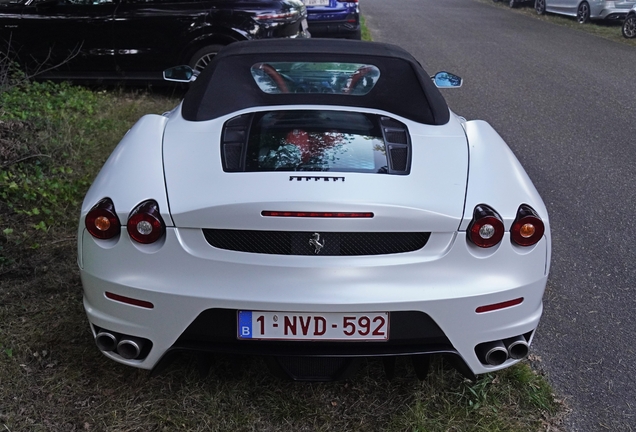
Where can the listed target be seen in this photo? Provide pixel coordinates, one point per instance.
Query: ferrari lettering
(316, 178)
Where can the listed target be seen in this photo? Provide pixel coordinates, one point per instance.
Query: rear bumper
(610, 10)
(334, 29)
(613, 15)
(432, 294)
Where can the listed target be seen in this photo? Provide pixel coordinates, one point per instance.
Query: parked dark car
(333, 18)
(136, 39)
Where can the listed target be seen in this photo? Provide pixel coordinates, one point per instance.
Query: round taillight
(486, 229)
(145, 224)
(102, 221)
(528, 228)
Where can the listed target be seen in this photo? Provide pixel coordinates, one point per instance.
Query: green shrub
(53, 139)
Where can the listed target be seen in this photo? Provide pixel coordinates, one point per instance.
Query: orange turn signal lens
(102, 223)
(527, 230)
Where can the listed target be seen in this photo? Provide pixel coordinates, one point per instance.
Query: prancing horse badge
(315, 242)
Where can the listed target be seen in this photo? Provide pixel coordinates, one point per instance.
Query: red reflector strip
(498, 306)
(128, 300)
(316, 214)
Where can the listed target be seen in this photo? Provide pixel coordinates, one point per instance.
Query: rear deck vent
(399, 158)
(332, 243)
(232, 156)
(398, 144)
(234, 141)
(396, 136)
(389, 122)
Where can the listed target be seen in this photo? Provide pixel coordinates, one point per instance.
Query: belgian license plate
(316, 2)
(313, 326)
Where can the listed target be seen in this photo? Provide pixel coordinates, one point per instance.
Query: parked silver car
(629, 25)
(585, 10)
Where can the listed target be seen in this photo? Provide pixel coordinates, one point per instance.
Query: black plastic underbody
(411, 333)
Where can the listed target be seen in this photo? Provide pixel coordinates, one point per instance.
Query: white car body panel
(497, 177)
(134, 171)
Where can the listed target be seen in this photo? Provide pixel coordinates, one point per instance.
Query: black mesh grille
(233, 156)
(396, 136)
(299, 242)
(399, 158)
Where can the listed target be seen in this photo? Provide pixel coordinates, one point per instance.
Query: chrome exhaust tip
(106, 341)
(517, 347)
(130, 347)
(492, 353)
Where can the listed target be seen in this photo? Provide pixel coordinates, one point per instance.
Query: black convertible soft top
(226, 85)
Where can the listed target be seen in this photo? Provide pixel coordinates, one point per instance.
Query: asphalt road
(565, 101)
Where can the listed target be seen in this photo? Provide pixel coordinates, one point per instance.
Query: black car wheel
(629, 27)
(583, 13)
(204, 56)
(539, 6)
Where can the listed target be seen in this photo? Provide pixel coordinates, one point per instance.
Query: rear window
(355, 79)
(316, 141)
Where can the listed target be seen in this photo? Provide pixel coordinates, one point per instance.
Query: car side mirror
(447, 80)
(182, 73)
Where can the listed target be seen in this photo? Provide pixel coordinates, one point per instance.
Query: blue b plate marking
(245, 325)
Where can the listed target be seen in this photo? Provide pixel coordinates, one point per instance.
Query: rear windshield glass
(354, 79)
(316, 141)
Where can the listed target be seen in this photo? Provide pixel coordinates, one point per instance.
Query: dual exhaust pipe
(496, 353)
(129, 347)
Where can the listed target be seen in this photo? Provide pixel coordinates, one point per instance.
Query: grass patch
(507, 401)
(366, 33)
(53, 139)
(606, 29)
